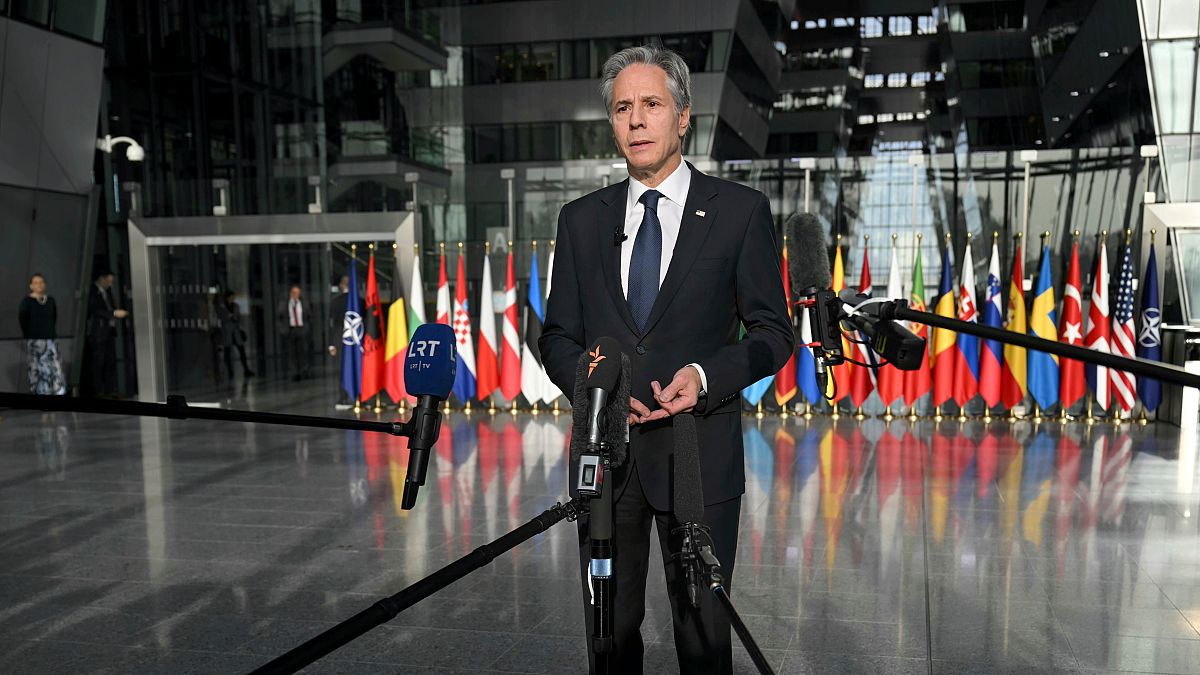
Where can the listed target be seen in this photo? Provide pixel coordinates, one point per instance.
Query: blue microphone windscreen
(430, 361)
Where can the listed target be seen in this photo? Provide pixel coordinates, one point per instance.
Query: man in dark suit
(294, 317)
(103, 314)
(669, 263)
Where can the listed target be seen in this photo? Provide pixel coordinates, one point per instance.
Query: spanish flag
(1012, 377)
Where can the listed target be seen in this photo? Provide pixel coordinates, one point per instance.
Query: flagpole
(962, 411)
(467, 403)
(397, 291)
(1143, 421)
(378, 394)
(357, 403)
(487, 254)
(1074, 243)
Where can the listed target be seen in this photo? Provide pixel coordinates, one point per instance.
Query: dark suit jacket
(724, 273)
(284, 320)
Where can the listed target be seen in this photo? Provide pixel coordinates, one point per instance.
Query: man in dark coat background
(670, 263)
(101, 346)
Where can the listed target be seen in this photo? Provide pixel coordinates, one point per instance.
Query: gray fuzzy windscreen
(687, 493)
(615, 431)
(808, 254)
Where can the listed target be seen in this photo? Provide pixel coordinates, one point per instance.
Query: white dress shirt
(674, 192)
(295, 313)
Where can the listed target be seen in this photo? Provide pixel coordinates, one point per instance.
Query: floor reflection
(866, 546)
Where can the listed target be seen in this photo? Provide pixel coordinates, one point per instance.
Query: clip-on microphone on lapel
(619, 235)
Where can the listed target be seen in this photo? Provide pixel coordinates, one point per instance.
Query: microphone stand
(177, 408)
(600, 532)
(1154, 370)
(386, 609)
(702, 568)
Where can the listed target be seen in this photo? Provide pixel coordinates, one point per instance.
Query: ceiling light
(1074, 92)
(1104, 54)
(1056, 118)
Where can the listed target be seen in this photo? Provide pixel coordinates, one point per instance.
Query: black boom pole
(387, 609)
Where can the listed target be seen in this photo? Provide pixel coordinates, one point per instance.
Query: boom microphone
(809, 275)
(429, 369)
(808, 255)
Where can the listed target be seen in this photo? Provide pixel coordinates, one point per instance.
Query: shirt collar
(674, 188)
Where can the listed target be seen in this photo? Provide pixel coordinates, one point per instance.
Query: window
(904, 117)
(884, 117)
(926, 25)
(899, 25)
(82, 18)
(866, 119)
(37, 11)
(843, 22)
(985, 16)
(873, 81)
(871, 27)
(897, 80)
(919, 79)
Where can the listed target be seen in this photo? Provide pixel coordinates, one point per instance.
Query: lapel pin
(700, 213)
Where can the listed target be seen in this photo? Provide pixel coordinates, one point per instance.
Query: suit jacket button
(641, 350)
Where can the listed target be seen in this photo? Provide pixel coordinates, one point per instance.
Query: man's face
(37, 285)
(105, 281)
(295, 293)
(648, 131)
(344, 284)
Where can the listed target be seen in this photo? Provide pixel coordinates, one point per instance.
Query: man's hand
(120, 313)
(640, 414)
(681, 395)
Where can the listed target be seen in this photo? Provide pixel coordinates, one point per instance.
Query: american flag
(1123, 383)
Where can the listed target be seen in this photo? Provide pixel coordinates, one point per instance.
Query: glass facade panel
(81, 18)
(1173, 67)
(35, 11)
(1177, 19)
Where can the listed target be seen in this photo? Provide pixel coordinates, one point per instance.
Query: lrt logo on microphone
(597, 357)
(422, 348)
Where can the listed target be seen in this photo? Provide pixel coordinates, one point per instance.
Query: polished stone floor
(148, 546)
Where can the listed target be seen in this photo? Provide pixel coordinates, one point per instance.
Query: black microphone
(688, 505)
(808, 255)
(810, 276)
(429, 369)
(619, 235)
(600, 413)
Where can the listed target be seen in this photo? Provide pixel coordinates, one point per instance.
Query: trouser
(228, 356)
(297, 351)
(702, 635)
(102, 365)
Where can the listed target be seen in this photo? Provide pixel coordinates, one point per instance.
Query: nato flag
(352, 339)
(1149, 344)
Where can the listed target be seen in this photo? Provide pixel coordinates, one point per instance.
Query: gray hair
(679, 81)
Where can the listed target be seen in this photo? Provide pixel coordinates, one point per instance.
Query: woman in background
(231, 334)
(38, 316)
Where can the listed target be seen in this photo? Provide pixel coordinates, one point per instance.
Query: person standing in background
(336, 327)
(103, 314)
(231, 334)
(38, 316)
(294, 318)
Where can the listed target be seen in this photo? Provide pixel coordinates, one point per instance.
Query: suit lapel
(693, 230)
(609, 220)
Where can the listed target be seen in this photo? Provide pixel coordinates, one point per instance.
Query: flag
(862, 380)
(1070, 383)
(754, 393)
(1123, 384)
(966, 353)
(891, 379)
(839, 376)
(1043, 367)
(1149, 344)
(916, 382)
(532, 378)
(806, 365)
(785, 379)
(352, 335)
(397, 344)
(464, 374)
(1096, 338)
(488, 365)
(549, 389)
(416, 297)
(510, 354)
(443, 293)
(943, 340)
(992, 355)
(1012, 375)
(374, 342)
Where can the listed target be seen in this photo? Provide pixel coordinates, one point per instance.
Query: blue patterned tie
(645, 265)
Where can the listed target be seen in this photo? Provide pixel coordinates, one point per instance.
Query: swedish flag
(1043, 367)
